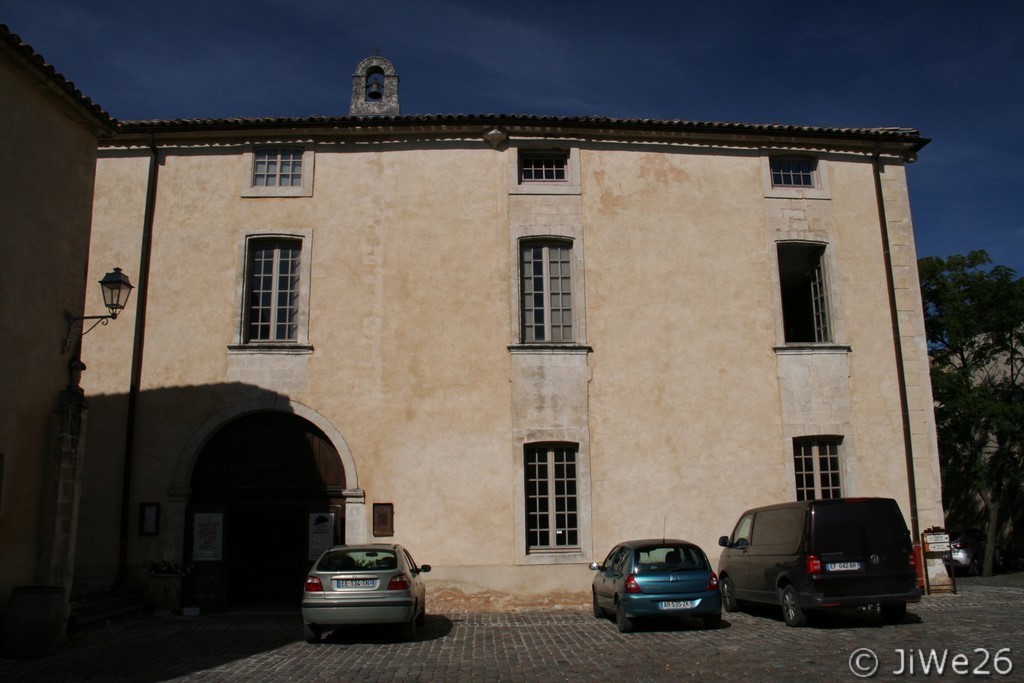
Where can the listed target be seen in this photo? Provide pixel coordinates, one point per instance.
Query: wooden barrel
(33, 622)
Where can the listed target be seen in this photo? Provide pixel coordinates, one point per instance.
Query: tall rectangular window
(273, 290)
(277, 167)
(804, 293)
(546, 283)
(816, 463)
(552, 506)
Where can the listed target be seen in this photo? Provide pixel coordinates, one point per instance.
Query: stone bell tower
(374, 89)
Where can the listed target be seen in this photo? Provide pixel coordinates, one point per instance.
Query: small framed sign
(383, 519)
(149, 519)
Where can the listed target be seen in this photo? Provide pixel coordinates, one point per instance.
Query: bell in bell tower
(374, 89)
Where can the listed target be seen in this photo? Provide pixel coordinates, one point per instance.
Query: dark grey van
(821, 554)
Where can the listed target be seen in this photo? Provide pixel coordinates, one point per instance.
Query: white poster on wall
(321, 533)
(207, 536)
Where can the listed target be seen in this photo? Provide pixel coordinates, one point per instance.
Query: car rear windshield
(668, 556)
(874, 520)
(358, 560)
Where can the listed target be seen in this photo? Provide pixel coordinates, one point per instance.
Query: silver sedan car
(364, 584)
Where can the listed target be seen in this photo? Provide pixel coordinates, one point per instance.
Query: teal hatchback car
(656, 578)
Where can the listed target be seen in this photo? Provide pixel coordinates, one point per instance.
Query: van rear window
(862, 520)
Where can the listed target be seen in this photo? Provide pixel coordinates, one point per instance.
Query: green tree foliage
(974, 319)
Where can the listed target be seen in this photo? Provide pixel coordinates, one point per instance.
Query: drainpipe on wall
(139, 340)
(901, 376)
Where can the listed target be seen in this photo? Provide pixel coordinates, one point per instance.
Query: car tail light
(912, 561)
(813, 564)
(958, 545)
(712, 582)
(399, 583)
(631, 585)
(313, 585)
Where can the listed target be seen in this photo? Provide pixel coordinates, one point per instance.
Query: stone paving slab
(547, 645)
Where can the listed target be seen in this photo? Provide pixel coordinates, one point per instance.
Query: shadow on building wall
(221, 500)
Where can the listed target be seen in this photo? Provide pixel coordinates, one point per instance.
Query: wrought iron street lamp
(116, 288)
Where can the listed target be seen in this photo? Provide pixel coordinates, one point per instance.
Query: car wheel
(712, 621)
(624, 623)
(598, 610)
(311, 632)
(791, 610)
(421, 618)
(894, 614)
(729, 602)
(974, 568)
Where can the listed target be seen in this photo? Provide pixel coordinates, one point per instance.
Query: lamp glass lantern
(116, 288)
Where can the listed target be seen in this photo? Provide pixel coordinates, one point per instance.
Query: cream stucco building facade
(507, 342)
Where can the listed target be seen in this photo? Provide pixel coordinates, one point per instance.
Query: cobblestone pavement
(982, 623)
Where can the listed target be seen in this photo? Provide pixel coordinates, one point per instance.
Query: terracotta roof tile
(497, 119)
(909, 139)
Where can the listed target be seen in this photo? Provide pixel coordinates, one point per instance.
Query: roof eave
(904, 142)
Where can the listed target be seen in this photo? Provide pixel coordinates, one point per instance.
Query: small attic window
(793, 172)
(279, 170)
(548, 166)
(544, 170)
(794, 175)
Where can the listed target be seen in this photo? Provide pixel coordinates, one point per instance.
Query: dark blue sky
(953, 70)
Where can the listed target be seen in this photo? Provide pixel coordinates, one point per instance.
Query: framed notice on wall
(208, 536)
(383, 519)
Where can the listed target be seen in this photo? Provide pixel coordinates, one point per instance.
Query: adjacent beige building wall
(679, 390)
(910, 318)
(48, 136)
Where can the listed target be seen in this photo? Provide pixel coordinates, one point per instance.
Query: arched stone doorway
(266, 495)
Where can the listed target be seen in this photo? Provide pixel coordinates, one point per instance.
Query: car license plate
(677, 604)
(355, 583)
(842, 566)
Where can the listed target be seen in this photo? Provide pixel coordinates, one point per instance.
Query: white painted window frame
(300, 344)
(550, 451)
(821, 189)
(571, 185)
(830, 274)
(576, 555)
(546, 244)
(814, 459)
(308, 161)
